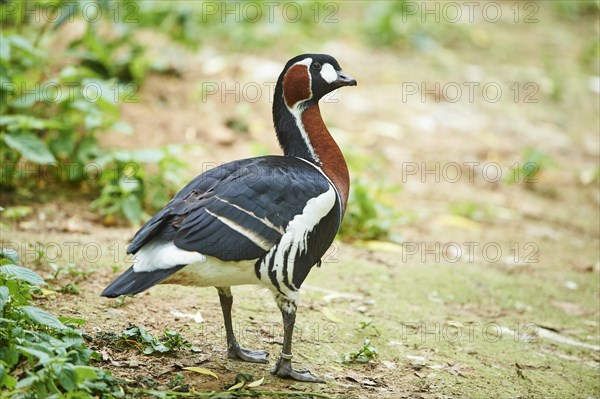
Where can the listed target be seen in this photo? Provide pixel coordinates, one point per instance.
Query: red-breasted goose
(265, 220)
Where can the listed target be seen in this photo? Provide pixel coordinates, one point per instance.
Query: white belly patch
(214, 273)
(201, 270)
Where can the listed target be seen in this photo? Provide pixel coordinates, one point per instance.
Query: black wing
(236, 211)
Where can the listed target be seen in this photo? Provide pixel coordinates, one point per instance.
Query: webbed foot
(284, 369)
(236, 351)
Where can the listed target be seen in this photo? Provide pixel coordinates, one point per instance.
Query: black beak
(344, 80)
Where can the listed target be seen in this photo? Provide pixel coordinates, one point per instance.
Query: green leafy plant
(71, 270)
(364, 355)
(137, 337)
(370, 214)
(119, 301)
(371, 211)
(128, 188)
(362, 218)
(177, 383)
(52, 113)
(369, 326)
(41, 355)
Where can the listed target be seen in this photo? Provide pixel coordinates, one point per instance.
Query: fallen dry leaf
(256, 383)
(236, 386)
(201, 370)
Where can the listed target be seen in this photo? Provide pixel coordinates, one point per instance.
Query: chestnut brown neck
(330, 157)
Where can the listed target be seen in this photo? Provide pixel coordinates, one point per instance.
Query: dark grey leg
(235, 350)
(283, 368)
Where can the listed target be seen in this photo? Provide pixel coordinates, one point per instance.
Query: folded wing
(237, 211)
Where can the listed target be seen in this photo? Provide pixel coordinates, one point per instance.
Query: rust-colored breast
(330, 155)
(296, 85)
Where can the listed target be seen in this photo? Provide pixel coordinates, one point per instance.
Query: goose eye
(316, 66)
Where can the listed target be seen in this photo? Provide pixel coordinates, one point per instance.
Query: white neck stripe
(296, 111)
(337, 193)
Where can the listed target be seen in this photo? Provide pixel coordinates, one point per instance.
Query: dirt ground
(490, 287)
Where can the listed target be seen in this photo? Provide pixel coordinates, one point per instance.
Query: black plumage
(131, 283)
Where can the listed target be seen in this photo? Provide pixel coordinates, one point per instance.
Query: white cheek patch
(328, 73)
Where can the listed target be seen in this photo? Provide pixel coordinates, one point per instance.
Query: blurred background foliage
(55, 105)
(65, 94)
